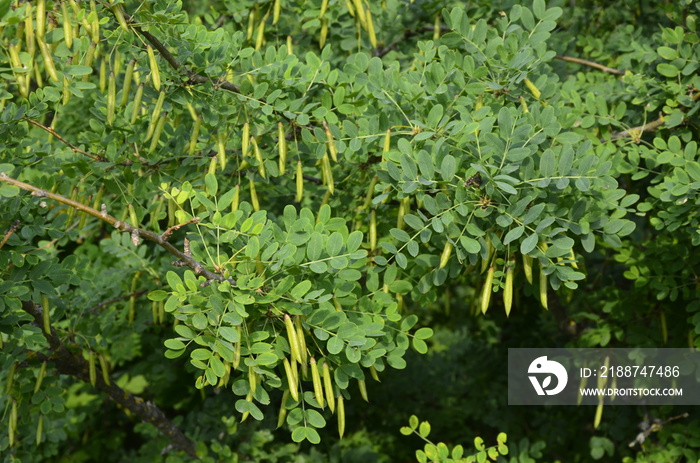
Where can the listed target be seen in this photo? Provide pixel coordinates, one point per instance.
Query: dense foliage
(225, 221)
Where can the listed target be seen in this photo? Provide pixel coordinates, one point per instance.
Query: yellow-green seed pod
(436, 27)
(245, 140)
(104, 367)
(533, 89)
(67, 26)
(251, 24)
(118, 11)
(92, 370)
(48, 60)
(126, 87)
(360, 10)
(301, 340)
(133, 218)
(154, 312)
(39, 430)
(40, 377)
(330, 142)
(260, 34)
(157, 132)
(293, 390)
(328, 386)
(137, 104)
(103, 75)
(88, 58)
(323, 34)
(252, 379)
(373, 230)
(370, 192)
(527, 267)
(237, 349)
(254, 196)
(401, 214)
(258, 156)
(248, 398)
(664, 329)
(195, 135)
(46, 314)
(523, 103)
(295, 372)
(290, 50)
(508, 290)
(299, 183)
(132, 310)
(283, 410)
(324, 7)
(40, 18)
(95, 25)
(351, 9)
(29, 31)
(276, 9)
(387, 143)
(363, 389)
(543, 288)
(212, 166)
(327, 173)
(294, 345)
(236, 198)
(221, 148)
(12, 423)
(65, 91)
(155, 116)
(486, 262)
(153, 65)
(598, 414)
(446, 253)
(572, 256)
(341, 415)
(316, 378)
(370, 29)
(487, 290)
(111, 98)
(282, 148)
(373, 372)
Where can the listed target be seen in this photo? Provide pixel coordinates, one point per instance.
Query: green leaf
(447, 168)
(424, 333)
(211, 184)
(668, 70)
(479, 443)
(547, 163)
(528, 244)
(301, 289)
(667, 53)
(157, 295)
(424, 429)
(229, 334)
(4, 7)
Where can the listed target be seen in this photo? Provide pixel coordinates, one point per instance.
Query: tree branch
(636, 132)
(70, 364)
(121, 226)
(591, 64)
(63, 140)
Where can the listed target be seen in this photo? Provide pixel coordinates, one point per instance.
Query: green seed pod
(29, 32)
(104, 366)
(363, 389)
(487, 290)
(328, 386)
(126, 87)
(39, 430)
(111, 98)
(283, 410)
(316, 378)
(92, 370)
(341, 415)
(195, 135)
(293, 390)
(137, 104)
(253, 196)
(282, 148)
(153, 65)
(46, 314)
(157, 132)
(40, 377)
(299, 183)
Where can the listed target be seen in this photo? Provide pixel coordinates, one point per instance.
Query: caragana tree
(248, 205)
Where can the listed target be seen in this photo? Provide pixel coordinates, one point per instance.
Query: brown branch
(591, 64)
(63, 140)
(165, 236)
(13, 228)
(121, 226)
(68, 363)
(636, 132)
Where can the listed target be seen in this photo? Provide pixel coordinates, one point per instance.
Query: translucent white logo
(551, 368)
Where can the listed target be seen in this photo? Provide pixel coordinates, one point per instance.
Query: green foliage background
(444, 147)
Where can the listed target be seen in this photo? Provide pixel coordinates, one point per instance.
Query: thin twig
(119, 225)
(9, 232)
(165, 236)
(636, 132)
(116, 299)
(68, 363)
(591, 64)
(63, 140)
